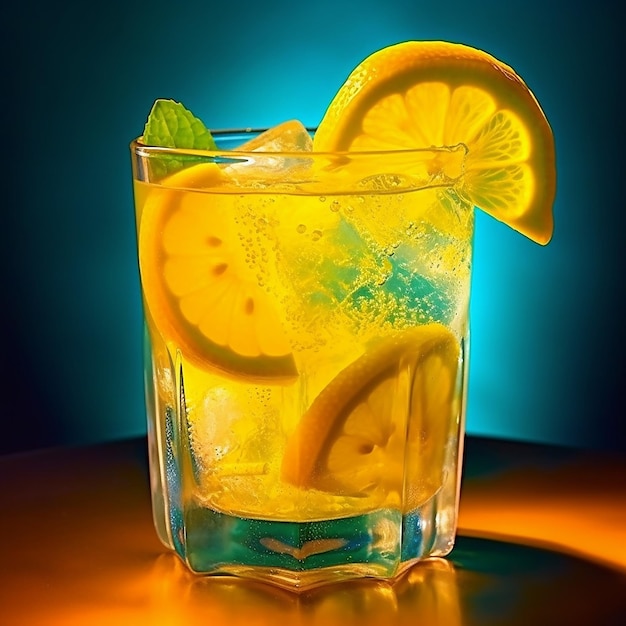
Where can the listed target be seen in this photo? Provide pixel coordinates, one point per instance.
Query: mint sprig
(171, 125)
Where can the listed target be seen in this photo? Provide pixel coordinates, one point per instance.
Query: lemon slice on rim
(198, 288)
(382, 422)
(419, 94)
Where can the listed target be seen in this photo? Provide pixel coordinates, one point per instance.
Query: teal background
(79, 80)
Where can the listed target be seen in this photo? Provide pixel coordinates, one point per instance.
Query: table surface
(542, 540)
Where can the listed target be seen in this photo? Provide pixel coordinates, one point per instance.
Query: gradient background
(547, 323)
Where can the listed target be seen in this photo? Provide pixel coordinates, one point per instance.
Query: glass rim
(142, 149)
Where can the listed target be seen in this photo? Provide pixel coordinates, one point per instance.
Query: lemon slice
(202, 295)
(430, 93)
(383, 422)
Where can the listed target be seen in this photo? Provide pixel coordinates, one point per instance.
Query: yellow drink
(307, 326)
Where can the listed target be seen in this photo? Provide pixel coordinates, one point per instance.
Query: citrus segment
(199, 289)
(423, 94)
(382, 422)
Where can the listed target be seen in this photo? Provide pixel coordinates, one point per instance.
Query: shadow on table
(484, 582)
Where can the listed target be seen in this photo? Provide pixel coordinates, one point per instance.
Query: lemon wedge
(202, 295)
(419, 94)
(382, 423)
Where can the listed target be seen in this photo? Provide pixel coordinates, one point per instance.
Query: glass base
(302, 555)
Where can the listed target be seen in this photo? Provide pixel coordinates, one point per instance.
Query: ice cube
(270, 168)
(289, 136)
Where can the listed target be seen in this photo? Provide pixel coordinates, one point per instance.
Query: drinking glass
(306, 349)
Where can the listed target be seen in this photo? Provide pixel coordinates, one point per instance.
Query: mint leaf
(171, 125)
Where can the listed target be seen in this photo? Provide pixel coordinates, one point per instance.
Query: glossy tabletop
(542, 540)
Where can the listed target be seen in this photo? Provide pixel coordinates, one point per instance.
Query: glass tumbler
(306, 346)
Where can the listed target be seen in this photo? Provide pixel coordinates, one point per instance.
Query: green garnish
(171, 125)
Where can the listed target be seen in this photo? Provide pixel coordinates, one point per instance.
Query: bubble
(385, 182)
